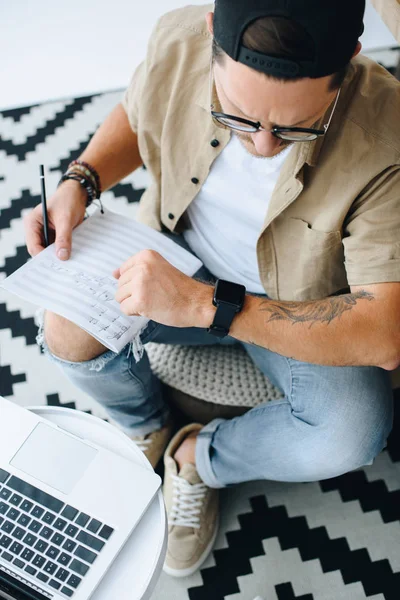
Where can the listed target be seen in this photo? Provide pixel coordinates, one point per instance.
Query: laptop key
(59, 524)
(79, 567)
(26, 506)
(5, 493)
(18, 563)
(24, 520)
(15, 500)
(48, 518)
(82, 519)
(30, 570)
(37, 512)
(69, 513)
(62, 574)
(52, 552)
(43, 577)
(67, 591)
(3, 508)
(18, 533)
(7, 526)
(16, 548)
(106, 532)
(13, 514)
(50, 567)
(57, 539)
(35, 494)
(86, 555)
(46, 532)
(29, 539)
(74, 581)
(69, 545)
(4, 475)
(71, 530)
(90, 540)
(7, 556)
(41, 546)
(35, 526)
(5, 541)
(64, 559)
(54, 584)
(27, 555)
(39, 561)
(94, 526)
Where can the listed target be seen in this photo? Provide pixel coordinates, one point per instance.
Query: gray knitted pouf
(222, 375)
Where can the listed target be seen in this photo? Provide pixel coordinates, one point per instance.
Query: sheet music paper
(82, 289)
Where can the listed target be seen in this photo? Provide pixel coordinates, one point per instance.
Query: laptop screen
(14, 589)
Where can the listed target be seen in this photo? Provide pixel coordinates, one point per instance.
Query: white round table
(135, 572)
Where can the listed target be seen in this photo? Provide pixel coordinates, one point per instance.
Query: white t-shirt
(227, 215)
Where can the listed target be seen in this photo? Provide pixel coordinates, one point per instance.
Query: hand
(149, 286)
(66, 210)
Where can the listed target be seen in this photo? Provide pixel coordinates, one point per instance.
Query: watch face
(230, 292)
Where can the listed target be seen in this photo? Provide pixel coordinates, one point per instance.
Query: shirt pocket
(312, 262)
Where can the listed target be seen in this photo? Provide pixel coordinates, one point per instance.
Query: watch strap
(222, 320)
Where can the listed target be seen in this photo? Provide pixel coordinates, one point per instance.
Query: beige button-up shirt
(390, 13)
(334, 217)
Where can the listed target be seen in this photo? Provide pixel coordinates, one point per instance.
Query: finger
(127, 277)
(122, 293)
(144, 256)
(128, 264)
(127, 309)
(63, 238)
(116, 274)
(33, 234)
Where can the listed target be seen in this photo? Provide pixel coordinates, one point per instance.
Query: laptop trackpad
(54, 458)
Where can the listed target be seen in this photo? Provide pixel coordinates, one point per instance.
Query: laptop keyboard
(46, 538)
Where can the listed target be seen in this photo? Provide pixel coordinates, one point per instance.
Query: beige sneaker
(153, 444)
(192, 510)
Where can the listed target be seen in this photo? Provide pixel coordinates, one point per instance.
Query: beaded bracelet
(92, 170)
(86, 174)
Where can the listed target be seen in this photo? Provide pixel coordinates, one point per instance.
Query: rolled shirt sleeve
(372, 232)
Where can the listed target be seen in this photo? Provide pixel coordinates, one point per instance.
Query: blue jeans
(331, 420)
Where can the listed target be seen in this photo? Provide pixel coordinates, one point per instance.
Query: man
(291, 188)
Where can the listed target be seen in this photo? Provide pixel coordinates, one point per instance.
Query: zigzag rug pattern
(334, 540)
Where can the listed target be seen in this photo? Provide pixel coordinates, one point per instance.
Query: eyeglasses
(289, 134)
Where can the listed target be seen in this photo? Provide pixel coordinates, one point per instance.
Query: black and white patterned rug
(334, 540)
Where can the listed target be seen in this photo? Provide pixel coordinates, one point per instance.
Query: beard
(249, 146)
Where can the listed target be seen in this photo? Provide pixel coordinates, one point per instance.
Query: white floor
(56, 50)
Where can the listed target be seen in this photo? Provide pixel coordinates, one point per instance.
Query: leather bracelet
(92, 170)
(78, 169)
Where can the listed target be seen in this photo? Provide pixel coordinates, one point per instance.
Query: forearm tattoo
(314, 311)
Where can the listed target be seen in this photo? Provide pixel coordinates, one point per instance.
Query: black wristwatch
(229, 299)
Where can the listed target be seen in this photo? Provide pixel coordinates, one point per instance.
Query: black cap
(334, 26)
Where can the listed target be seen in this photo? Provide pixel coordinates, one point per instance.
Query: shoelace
(187, 501)
(143, 445)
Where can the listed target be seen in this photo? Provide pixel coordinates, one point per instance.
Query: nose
(265, 143)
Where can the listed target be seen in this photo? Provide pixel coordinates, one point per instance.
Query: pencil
(44, 207)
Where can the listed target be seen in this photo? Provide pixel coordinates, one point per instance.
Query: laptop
(67, 507)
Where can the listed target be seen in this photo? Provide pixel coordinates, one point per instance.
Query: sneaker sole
(197, 565)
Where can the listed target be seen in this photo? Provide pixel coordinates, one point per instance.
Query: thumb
(63, 241)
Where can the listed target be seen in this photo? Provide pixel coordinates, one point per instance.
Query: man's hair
(283, 38)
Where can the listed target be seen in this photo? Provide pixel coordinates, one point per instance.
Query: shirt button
(214, 143)
(170, 216)
(194, 180)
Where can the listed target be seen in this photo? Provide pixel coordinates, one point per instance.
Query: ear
(358, 49)
(209, 21)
